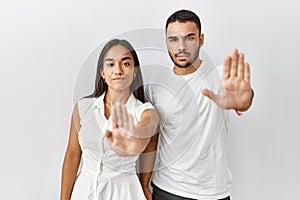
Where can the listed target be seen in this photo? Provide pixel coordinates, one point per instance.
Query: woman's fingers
(121, 117)
(125, 118)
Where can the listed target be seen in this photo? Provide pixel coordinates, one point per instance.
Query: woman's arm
(72, 158)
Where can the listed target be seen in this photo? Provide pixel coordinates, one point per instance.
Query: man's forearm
(147, 160)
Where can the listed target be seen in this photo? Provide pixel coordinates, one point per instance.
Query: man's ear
(201, 41)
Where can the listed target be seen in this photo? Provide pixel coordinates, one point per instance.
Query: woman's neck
(113, 96)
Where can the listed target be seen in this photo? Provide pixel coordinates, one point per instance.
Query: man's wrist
(246, 104)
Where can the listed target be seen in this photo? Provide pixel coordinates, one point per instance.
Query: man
(192, 100)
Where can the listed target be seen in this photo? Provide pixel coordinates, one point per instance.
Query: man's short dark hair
(184, 16)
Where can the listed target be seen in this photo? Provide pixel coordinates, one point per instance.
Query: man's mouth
(181, 55)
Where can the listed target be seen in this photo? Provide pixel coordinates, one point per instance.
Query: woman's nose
(118, 69)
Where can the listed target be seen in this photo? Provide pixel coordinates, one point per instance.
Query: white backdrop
(44, 44)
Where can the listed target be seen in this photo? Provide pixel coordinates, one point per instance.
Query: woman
(109, 130)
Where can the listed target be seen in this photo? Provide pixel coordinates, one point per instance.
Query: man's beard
(188, 63)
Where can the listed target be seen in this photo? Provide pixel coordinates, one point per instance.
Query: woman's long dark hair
(136, 86)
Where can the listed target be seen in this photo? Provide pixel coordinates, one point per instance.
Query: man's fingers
(209, 94)
(234, 63)
(247, 72)
(241, 63)
(226, 67)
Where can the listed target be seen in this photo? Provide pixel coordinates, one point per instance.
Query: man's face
(183, 42)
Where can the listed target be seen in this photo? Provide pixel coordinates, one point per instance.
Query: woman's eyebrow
(108, 59)
(126, 58)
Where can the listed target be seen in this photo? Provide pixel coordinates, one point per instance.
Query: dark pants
(159, 194)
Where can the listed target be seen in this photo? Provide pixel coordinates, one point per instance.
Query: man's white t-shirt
(191, 159)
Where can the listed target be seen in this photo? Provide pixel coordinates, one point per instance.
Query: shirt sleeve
(83, 105)
(148, 94)
(141, 108)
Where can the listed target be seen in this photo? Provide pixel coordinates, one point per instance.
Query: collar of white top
(99, 103)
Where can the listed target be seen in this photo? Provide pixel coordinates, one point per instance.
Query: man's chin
(182, 64)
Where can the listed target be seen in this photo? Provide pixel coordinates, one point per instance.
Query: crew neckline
(193, 74)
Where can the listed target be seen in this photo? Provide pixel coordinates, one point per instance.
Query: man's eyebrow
(172, 37)
(190, 34)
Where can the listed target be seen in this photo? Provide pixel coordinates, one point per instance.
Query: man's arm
(146, 163)
(236, 93)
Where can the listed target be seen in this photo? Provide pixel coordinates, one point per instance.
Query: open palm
(236, 92)
(122, 136)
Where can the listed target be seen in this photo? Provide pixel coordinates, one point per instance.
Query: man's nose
(181, 45)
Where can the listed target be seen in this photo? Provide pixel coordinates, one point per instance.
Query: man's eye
(109, 64)
(189, 39)
(173, 39)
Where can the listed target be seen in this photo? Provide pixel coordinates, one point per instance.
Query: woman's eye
(109, 64)
(126, 64)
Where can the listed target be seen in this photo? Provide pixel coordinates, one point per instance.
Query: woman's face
(118, 68)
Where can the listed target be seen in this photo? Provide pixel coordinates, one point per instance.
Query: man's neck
(187, 70)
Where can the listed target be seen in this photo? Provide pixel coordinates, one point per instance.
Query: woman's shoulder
(85, 100)
(146, 105)
(84, 104)
(140, 107)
